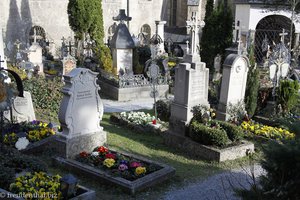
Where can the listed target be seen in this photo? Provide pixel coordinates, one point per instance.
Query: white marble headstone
(234, 79)
(81, 109)
(35, 56)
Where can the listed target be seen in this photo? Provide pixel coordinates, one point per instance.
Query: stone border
(37, 146)
(87, 194)
(207, 152)
(129, 186)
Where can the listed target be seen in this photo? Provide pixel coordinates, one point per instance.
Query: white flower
(95, 153)
(22, 143)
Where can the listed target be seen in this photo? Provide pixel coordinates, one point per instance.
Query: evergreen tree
(252, 85)
(217, 34)
(85, 16)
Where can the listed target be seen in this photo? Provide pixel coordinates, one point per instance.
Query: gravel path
(217, 187)
(120, 106)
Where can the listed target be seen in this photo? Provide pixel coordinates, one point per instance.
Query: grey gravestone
(69, 63)
(191, 89)
(234, 79)
(22, 109)
(80, 113)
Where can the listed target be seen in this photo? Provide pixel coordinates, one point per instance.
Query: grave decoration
(117, 164)
(255, 129)
(27, 133)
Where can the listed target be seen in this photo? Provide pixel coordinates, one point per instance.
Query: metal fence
(129, 80)
(265, 41)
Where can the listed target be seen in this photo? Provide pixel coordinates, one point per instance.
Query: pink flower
(135, 164)
(110, 155)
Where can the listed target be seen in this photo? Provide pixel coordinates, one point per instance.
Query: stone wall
(18, 16)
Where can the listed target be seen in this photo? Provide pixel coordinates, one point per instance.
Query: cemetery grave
(53, 121)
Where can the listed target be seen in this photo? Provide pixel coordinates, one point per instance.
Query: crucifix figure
(194, 26)
(240, 46)
(282, 35)
(187, 47)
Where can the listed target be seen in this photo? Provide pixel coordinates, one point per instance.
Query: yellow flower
(109, 162)
(140, 170)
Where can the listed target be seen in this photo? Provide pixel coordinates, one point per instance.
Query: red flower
(135, 164)
(110, 155)
(102, 149)
(83, 154)
(154, 121)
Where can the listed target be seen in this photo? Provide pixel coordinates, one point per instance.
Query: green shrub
(207, 135)
(288, 95)
(163, 110)
(282, 178)
(46, 96)
(252, 85)
(234, 133)
(137, 67)
(105, 58)
(144, 54)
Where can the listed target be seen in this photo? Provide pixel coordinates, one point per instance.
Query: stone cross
(194, 25)
(282, 35)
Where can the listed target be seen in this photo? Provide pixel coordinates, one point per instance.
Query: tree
(252, 85)
(217, 34)
(85, 16)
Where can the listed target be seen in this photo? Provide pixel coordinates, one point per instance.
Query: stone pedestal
(80, 114)
(191, 89)
(70, 147)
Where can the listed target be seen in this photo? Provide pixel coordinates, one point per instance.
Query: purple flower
(122, 167)
(125, 162)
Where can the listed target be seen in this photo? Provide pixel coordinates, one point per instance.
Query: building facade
(50, 18)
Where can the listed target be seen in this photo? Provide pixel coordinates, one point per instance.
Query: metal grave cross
(69, 47)
(18, 43)
(122, 16)
(282, 35)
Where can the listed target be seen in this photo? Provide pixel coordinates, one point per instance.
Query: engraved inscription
(84, 95)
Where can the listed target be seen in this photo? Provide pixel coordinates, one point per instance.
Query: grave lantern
(68, 186)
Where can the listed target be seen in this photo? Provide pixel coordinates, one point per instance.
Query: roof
(262, 2)
(193, 2)
(122, 38)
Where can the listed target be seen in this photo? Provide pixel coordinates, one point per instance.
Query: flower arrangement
(37, 185)
(171, 64)
(137, 117)
(51, 72)
(116, 163)
(32, 131)
(267, 131)
(203, 114)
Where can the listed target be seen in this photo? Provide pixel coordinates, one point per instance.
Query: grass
(188, 169)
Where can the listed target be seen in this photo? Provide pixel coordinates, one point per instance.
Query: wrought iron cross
(69, 47)
(282, 35)
(18, 43)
